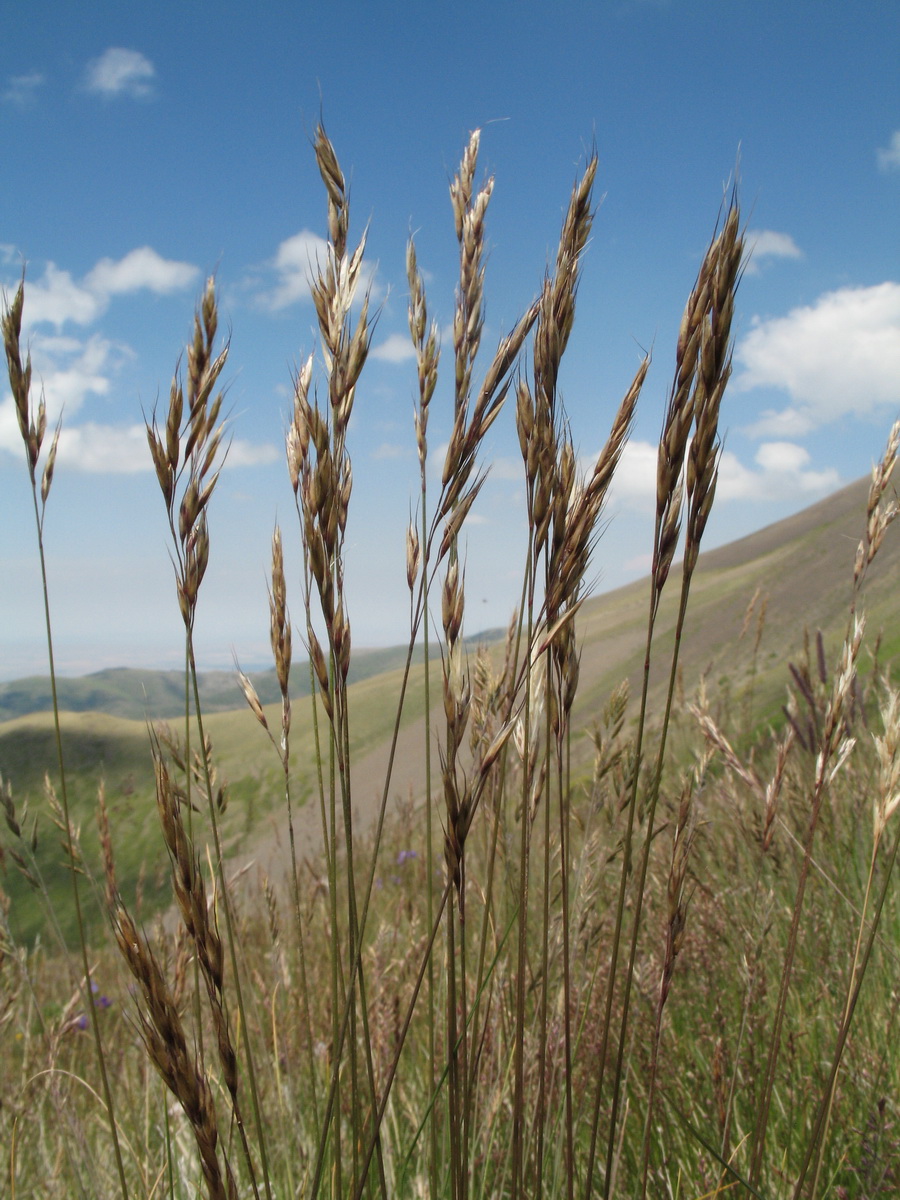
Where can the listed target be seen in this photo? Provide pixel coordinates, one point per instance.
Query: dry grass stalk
(458, 493)
(878, 515)
(186, 451)
(887, 748)
(834, 748)
(575, 523)
(768, 793)
(164, 1038)
(713, 372)
(428, 351)
(198, 918)
(187, 458)
(280, 636)
(457, 697)
(702, 370)
(322, 478)
(318, 462)
(187, 878)
(109, 868)
(677, 902)
(32, 427)
(14, 820)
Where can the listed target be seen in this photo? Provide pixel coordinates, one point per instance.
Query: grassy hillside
(802, 569)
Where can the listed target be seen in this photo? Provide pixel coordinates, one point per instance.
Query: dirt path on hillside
(271, 848)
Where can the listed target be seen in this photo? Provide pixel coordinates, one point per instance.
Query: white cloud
(119, 72)
(295, 264)
(395, 349)
(889, 156)
(766, 243)
(70, 371)
(98, 448)
(788, 423)
(141, 268)
(389, 450)
(253, 454)
(784, 473)
(505, 469)
(57, 298)
(66, 371)
(110, 449)
(837, 357)
(635, 478)
(22, 89)
(122, 450)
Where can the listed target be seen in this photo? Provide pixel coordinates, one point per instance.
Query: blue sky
(147, 146)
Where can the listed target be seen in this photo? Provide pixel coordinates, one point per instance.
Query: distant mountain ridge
(127, 692)
(138, 694)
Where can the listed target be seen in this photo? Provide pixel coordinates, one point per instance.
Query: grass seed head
(32, 430)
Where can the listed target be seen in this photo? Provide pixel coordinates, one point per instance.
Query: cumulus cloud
(889, 156)
(767, 243)
(120, 72)
(67, 371)
(635, 479)
(295, 265)
(784, 473)
(98, 448)
(56, 298)
(70, 371)
(390, 450)
(835, 358)
(122, 450)
(508, 470)
(395, 349)
(104, 449)
(253, 454)
(141, 268)
(22, 89)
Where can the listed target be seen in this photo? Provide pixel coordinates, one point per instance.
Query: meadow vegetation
(666, 967)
